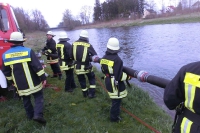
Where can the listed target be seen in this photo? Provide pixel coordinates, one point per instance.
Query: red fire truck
(8, 24)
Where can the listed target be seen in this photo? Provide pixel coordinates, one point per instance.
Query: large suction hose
(145, 77)
(142, 76)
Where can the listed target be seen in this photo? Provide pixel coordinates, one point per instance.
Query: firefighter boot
(91, 93)
(85, 93)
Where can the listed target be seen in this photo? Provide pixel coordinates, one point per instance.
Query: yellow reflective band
(29, 91)
(16, 54)
(92, 86)
(85, 89)
(110, 69)
(61, 46)
(192, 79)
(9, 78)
(186, 125)
(191, 82)
(40, 72)
(49, 50)
(28, 75)
(115, 95)
(82, 44)
(124, 76)
(84, 54)
(189, 96)
(52, 61)
(74, 51)
(107, 62)
(17, 61)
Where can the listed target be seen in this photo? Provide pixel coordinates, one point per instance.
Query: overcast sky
(52, 10)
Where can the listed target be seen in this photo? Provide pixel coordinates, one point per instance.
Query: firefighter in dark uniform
(66, 63)
(52, 56)
(183, 94)
(111, 66)
(83, 52)
(23, 69)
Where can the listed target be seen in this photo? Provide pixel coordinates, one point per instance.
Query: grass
(72, 113)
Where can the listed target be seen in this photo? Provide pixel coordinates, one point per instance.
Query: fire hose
(143, 76)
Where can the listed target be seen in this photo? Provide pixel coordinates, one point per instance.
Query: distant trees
(112, 9)
(68, 21)
(30, 21)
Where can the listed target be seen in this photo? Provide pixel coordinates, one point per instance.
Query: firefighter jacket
(50, 51)
(111, 66)
(23, 69)
(185, 87)
(81, 53)
(63, 48)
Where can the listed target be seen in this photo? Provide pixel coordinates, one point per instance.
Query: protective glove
(96, 59)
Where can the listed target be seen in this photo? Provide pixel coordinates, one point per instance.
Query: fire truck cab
(8, 24)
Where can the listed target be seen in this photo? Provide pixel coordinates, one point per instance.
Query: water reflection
(158, 49)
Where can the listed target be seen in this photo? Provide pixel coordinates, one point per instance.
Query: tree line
(108, 10)
(30, 21)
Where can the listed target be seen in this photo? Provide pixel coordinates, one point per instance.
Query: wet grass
(72, 113)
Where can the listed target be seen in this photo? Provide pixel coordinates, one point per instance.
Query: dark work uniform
(52, 58)
(185, 88)
(23, 69)
(81, 52)
(66, 63)
(111, 66)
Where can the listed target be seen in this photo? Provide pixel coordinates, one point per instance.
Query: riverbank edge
(187, 18)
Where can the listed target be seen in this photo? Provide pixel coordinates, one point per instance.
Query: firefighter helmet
(84, 33)
(50, 33)
(16, 37)
(63, 35)
(113, 44)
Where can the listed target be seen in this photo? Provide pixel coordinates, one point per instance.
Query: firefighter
(66, 63)
(183, 95)
(52, 57)
(24, 71)
(111, 66)
(83, 53)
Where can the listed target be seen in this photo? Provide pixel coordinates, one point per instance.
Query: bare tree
(38, 19)
(85, 14)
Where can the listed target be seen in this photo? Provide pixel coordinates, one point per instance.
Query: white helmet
(113, 44)
(16, 37)
(63, 35)
(50, 33)
(84, 33)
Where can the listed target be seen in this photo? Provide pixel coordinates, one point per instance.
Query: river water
(158, 49)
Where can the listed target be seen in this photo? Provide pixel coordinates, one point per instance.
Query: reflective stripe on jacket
(185, 87)
(63, 48)
(81, 52)
(111, 65)
(26, 75)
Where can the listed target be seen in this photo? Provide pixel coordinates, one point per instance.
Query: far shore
(188, 18)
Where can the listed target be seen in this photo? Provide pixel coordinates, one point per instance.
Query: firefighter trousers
(91, 79)
(69, 81)
(37, 111)
(115, 109)
(56, 69)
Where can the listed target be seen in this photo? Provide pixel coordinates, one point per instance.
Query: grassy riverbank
(71, 113)
(187, 18)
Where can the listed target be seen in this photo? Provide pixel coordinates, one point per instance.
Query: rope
(138, 119)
